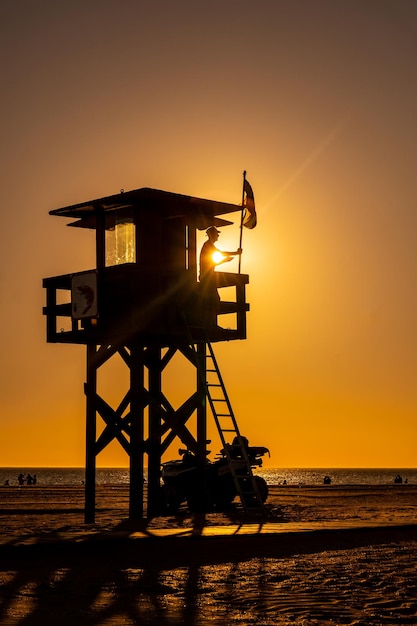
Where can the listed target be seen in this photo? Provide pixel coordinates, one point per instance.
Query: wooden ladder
(234, 445)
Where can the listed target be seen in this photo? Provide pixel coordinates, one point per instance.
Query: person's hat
(212, 229)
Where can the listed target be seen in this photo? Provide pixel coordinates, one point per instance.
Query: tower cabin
(145, 284)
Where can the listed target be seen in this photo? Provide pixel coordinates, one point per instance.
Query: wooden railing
(132, 298)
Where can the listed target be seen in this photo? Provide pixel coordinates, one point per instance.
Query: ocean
(273, 476)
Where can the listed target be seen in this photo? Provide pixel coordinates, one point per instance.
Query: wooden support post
(241, 309)
(90, 462)
(201, 369)
(51, 308)
(154, 451)
(137, 404)
(201, 408)
(100, 239)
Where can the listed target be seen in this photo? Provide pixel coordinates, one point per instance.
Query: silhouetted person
(208, 281)
(235, 448)
(21, 479)
(29, 479)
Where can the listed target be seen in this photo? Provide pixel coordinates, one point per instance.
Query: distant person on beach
(208, 281)
(21, 479)
(29, 479)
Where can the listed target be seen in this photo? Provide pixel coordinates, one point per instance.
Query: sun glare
(218, 257)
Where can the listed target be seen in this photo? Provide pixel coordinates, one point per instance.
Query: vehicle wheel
(200, 501)
(170, 500)
(262, 487)
(224, 501)
(224, 494)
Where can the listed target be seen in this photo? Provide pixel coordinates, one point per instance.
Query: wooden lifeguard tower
(141, 302)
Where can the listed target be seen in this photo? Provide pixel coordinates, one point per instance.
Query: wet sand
(324, 555)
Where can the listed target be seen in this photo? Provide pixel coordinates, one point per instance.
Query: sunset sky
(317, 100)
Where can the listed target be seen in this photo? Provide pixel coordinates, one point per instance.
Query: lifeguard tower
(142, 303)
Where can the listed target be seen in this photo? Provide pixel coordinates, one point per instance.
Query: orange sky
(317, 101)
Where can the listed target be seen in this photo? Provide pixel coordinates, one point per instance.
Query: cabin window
(120, 244)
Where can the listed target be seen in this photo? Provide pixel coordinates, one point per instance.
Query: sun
(218, 257)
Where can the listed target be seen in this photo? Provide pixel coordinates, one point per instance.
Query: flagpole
(241, 218)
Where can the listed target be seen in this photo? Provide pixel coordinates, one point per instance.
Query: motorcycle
(209, 487)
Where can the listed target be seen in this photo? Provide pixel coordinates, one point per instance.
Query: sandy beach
(324, 555)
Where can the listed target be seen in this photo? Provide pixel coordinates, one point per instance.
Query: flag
(249, 218)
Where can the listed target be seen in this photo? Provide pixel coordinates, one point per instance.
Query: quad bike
(211, 487)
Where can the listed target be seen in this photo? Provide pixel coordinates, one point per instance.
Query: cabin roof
(126, 205)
